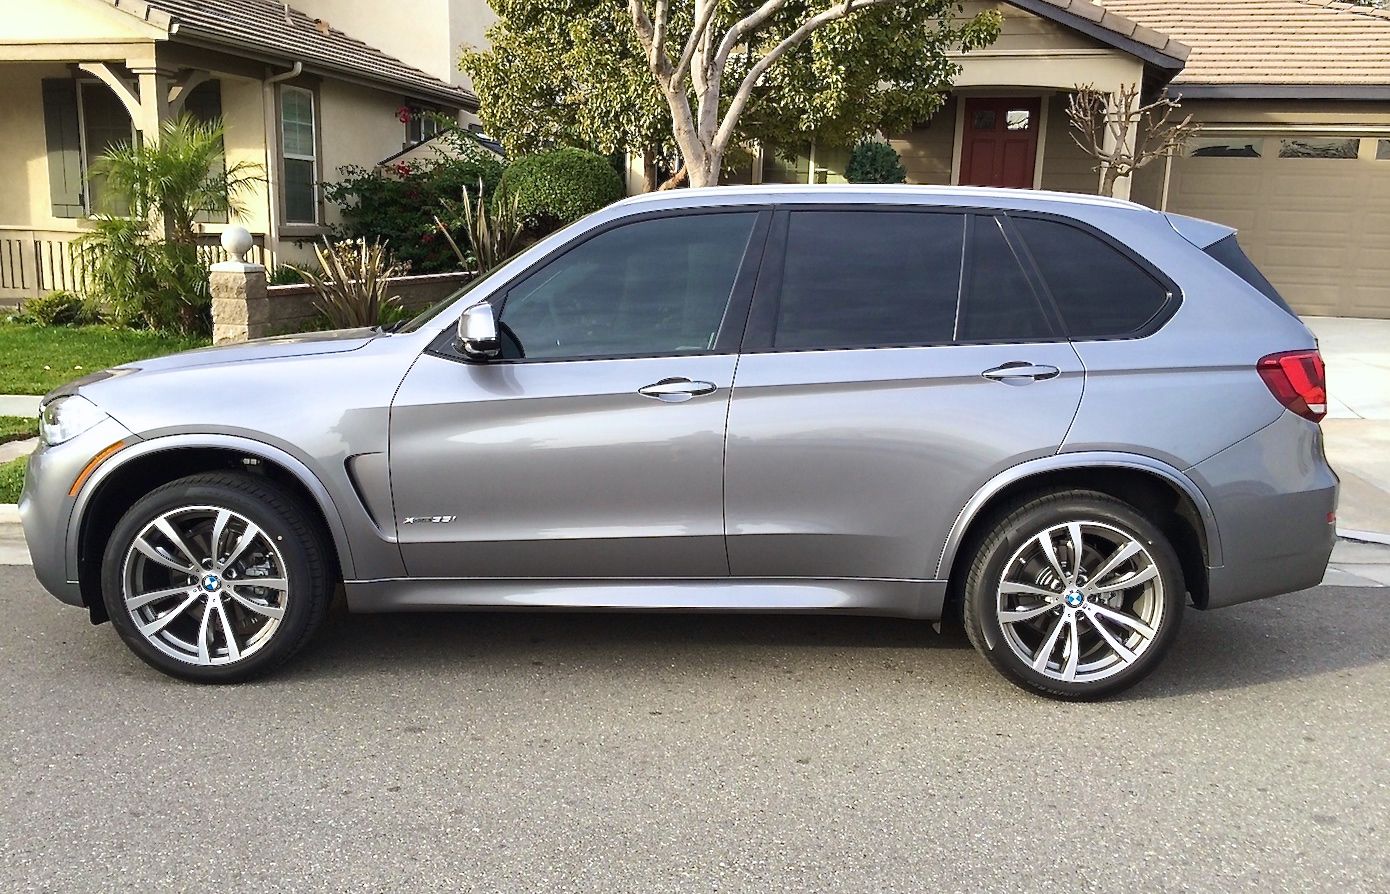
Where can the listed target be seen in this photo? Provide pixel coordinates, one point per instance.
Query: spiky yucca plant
(351, 283)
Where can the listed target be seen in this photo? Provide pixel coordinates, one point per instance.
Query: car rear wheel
(1074, 595)
(216, 578)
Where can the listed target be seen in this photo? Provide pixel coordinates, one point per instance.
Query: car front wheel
(1074, 595)
(216, 578)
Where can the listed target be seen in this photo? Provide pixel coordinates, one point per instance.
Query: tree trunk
(649, 183)
(677, 179)
(1107, 181)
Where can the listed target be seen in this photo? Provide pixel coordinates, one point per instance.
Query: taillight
(1297, 380)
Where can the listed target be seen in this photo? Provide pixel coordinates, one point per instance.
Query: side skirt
(920, 599)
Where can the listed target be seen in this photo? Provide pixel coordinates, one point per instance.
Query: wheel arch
(133, 472)
(1148, 484)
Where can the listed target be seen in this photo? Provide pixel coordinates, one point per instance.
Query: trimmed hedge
(559, 187)
(875, 162)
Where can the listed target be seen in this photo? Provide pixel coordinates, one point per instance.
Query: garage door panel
(1318, 228)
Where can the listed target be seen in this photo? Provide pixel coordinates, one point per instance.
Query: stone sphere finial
(237, 241)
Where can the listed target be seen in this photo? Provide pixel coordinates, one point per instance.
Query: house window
(105, 125)
(299, 151)
(1318, 147)
(422, 125)
(1383, 150)
(1227, 147)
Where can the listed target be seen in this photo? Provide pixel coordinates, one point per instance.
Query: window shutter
(203, 105)
(64, 146)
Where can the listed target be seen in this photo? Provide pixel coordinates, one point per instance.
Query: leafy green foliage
(875, 162)
(567, 73)
(494, 236)
(352, 281)
(285, 275)
(398, 204)
(571, 72)
(142, 254)
(558, 187)
(37, 359)
(62, 309)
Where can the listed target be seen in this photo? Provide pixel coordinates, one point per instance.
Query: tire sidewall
(299, 572)
(1016, 530)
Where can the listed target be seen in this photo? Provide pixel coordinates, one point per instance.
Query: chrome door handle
(1019, 372)
(676, 390)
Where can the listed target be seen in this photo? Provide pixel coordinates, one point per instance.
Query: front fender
(247, 446)
(1082, 460)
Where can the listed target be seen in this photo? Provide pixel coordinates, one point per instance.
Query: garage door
(1313, 211)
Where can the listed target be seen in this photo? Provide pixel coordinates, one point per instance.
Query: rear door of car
(872, 400)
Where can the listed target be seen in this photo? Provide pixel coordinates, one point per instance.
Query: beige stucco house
(1294, 96)
(299, 95)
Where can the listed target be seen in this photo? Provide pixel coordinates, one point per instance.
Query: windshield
(443, 304)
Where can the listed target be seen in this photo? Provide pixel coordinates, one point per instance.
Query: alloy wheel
(205, 585)
(1081, 601)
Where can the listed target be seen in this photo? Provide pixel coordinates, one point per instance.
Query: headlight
(65, 418)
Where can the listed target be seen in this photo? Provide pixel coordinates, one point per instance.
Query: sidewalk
(1357, 427)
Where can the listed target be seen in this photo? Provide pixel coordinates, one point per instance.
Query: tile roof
(1113, 23)
(1272, 42)
(269, 29)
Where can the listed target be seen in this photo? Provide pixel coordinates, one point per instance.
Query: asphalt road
(588, 753)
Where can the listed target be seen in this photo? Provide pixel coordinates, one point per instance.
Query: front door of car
(593, 446)
(903, 360)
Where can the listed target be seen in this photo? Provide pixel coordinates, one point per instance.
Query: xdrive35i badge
(428, 519)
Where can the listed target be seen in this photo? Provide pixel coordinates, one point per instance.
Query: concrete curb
(9, 513)
(1365, 537)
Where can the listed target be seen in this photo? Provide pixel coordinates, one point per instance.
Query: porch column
(155, 86)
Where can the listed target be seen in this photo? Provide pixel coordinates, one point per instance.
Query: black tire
(1013, 529)
(297, 535)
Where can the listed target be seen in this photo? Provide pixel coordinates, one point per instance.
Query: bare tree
(1104, 123)
(701, 132)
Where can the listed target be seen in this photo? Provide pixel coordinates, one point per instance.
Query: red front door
(1000, 142)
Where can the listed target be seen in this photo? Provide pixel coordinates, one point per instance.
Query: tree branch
(790, 42)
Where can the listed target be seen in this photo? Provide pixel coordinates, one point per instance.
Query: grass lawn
(37, 359)
(12, 479)
(17, 428)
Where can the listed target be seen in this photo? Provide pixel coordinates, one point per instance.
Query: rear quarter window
(1230, 255)
(1099, 291)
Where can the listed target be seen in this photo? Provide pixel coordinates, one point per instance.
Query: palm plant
(494, 236)
(142, 252)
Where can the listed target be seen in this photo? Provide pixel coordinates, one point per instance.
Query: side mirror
(477, 335)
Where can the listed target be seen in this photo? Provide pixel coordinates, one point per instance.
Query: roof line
(1281, 91)
(1112, 29)
(177, 29)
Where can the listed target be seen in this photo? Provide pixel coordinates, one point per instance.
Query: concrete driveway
(594, 753)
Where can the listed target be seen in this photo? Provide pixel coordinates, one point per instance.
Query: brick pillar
(240, 306)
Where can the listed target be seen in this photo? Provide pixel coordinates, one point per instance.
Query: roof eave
(1171, 58)
(457, 98)
(1282, 91)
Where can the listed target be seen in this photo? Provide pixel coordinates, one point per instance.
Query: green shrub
(558, 187)
(875, 162)
(285, 275)
(398, 204)
(61, 309)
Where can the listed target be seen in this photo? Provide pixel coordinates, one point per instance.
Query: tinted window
(999, 304)
(1100, 292)
(650, 287)
(1233, 258)
(869, 278)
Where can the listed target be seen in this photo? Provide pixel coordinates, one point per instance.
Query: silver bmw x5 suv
(1061, 419)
